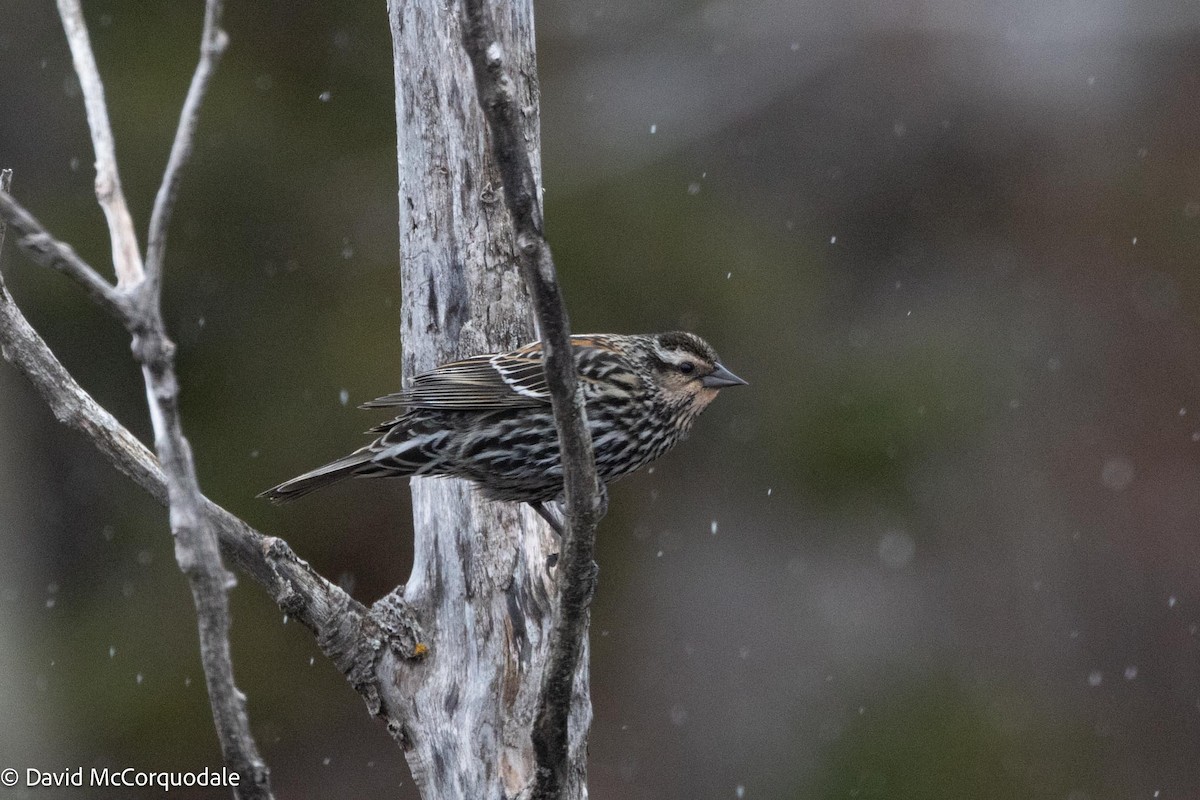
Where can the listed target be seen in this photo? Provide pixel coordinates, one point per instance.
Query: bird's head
(687, 370)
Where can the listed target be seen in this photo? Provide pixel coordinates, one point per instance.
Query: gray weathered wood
(586, 500)
(127, 259)
(480, 581)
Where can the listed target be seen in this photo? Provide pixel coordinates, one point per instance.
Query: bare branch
(583, 495)
(212, 44)
(127, 258)
(44, 249)
(350, 635)
(196, 547)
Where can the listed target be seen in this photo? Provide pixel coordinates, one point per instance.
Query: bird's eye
(687, 368)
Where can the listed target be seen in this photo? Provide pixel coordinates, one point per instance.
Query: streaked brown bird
(488, 418)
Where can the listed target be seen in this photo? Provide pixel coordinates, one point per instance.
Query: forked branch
(351, 636)
(196, 547)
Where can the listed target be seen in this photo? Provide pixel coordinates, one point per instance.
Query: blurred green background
(946, 544)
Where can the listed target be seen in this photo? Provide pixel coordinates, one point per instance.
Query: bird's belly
(516, 458)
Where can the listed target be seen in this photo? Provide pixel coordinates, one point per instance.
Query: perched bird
(488, 418)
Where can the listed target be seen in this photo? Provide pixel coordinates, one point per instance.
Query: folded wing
(479, 383)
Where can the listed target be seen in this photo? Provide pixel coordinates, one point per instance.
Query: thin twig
(341, 625)
(196, 547)
(47, 251)
(583, 496)
(127, 258)
(213, 42)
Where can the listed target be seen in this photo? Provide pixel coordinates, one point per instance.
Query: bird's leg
(556, 524)
(557, 517)
(555, 520)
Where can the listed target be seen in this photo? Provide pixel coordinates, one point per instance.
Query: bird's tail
(321, 477)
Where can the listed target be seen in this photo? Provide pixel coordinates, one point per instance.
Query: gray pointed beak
(722, 377)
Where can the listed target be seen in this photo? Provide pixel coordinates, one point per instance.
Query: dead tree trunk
(480, 583)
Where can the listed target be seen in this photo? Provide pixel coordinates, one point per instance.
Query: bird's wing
(482, 383)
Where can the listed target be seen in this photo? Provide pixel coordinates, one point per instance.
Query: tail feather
(321, 477)
(397, 454)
